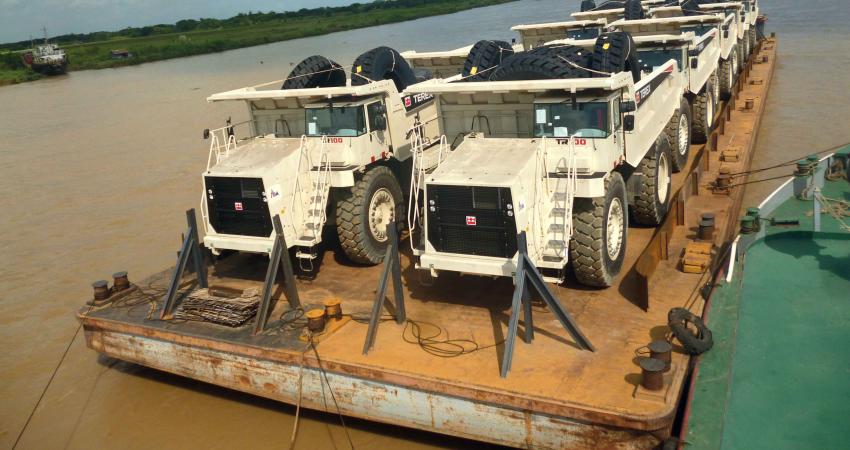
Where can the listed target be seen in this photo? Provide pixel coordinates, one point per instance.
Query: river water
(97, 167)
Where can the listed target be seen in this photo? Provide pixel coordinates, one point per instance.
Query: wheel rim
(615, 228)
(734, 63)
(381, 213)
(715, 88)
(663, 177)
(709, 109)
(683, 134)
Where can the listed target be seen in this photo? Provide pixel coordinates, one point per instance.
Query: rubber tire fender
(537, 65)
(483, 57)
(587, 5)
(589, 244)
(352, 215)
(382, 63)
(633, 10)
(679, 159)
(695, 344)
(615, 52)
(648, 208)
(315, 71)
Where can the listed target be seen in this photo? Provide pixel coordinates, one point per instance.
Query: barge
(405, 373)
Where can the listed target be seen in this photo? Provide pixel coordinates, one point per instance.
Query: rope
(836, 208)
(333, 397)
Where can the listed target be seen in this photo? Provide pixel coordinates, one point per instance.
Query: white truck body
(535, 35)
(281, 161)
(533, 178)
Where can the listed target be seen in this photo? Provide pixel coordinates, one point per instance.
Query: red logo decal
(407, 102)
(238, 206)
(471, 221)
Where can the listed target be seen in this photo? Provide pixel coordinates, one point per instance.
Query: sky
(21, 18)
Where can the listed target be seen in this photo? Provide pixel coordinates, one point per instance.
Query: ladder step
(557, 244)
(304, 255)
(559, 211)
(312, 226)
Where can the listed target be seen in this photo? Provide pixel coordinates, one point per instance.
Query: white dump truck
(535, 35)
(317, 147)
(560, 143)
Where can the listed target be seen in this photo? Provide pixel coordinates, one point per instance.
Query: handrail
(296, 189)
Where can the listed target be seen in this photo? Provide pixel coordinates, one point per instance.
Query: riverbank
(99, 55)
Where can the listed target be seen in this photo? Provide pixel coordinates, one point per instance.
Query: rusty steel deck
(556, 395)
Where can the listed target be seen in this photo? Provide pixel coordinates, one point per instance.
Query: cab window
(374, 110)
(588, 120)
(615, 115)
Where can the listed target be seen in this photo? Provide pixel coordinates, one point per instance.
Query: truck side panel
(657, 96)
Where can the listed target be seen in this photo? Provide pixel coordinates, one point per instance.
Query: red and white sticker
(237, 206)
(471, 221)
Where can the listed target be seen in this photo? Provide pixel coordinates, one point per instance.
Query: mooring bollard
(315, 320)
(652, 374)
(101, 289)
(706, 227)
(333, 308)
(661, 350)
(120, 280)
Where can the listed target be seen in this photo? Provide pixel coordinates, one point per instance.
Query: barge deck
(555, 396)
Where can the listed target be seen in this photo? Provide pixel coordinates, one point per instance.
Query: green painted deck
(778, 376)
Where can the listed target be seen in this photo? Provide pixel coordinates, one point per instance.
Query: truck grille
(471, 220)
(238, 206)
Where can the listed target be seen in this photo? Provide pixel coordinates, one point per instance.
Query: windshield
(651, 59)
(583, 33)
(336, 121)
(588, 120)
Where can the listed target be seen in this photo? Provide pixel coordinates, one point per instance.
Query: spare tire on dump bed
(544, 63)
(633, 10)
(382, 63)
(315, 71)
(483, 57)
(615, 52)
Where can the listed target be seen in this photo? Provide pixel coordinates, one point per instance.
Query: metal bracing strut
(191, 247)
(392, 267)
(526, 273)
(278, 257)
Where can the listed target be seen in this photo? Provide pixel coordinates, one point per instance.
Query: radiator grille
(471, 220)
(238, 206)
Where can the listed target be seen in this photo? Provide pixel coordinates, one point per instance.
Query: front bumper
(251, 244)
(475, 265)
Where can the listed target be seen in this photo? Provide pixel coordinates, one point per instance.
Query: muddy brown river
(97, 167)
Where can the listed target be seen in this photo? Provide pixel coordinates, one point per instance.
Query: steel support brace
(392, 268)
(527, 274)
(279, 256)
(191, 248)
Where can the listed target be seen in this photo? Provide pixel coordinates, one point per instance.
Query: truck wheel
(615, 52)
(704, 107)
(633, 10)
(483, 58)
(315, 71)
(587, 5)
(679, 134)
(753, 39)
(364, 212)
(653, 200)
(598, 244)
(728, 69)
(382, 63)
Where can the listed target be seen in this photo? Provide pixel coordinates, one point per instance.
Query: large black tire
(705, 106)
(653, 200)
(315, 71)
(483, 58)
(355, 214)
(593, 262)
(696, 344)
(382, 63)
(753, 39)
(538, 64)
(587, 5)
(615, 52)
(680, 141)
(633, 10)
(728, 74)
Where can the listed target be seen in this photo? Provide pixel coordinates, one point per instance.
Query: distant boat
(47, 58)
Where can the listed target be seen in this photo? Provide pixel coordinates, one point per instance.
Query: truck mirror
(628, 107)
(380, 108)
(694, 63)
(206, 133)
(628, 123)
(380, 123)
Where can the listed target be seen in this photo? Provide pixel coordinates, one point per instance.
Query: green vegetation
(13, 70)
(195, 37)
